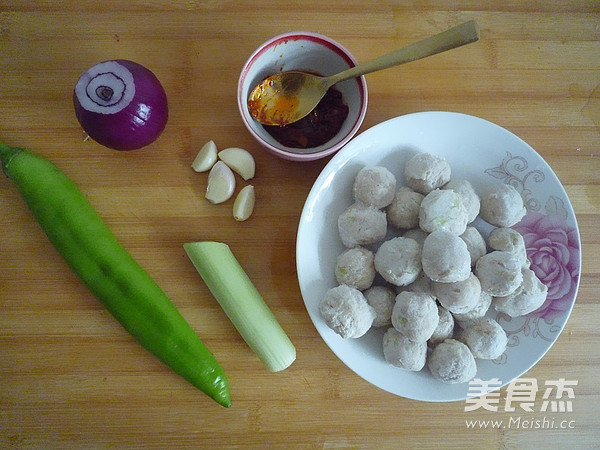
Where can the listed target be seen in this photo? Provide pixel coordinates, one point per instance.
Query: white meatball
(499, 273)
(382, 299)
(443, 210)
(398, 261)
(400, 351)
(374, 186)
(469, 197)
(509, 240)
(361, 224)
(452, 362)
(422, 284)
(475, 243)
(346, 311)
(459, 296)
(479, 310)
(445, 328)
(417, 234)
(355, 267)
(415, 315)
(425, 172)
(528, 297)
(485, 338)
(403, 212)
(445, 257)
(503, 206)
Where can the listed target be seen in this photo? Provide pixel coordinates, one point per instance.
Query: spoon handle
(454, 37)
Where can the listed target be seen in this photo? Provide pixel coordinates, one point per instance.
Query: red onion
(121, 104)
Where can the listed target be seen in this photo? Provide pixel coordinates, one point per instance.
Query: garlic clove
(221, 183)
(206, 157)
(244, 204)
(240, 160)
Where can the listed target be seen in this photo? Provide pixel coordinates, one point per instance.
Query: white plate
(483, 153)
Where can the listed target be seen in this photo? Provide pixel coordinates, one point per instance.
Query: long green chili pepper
(110, 272)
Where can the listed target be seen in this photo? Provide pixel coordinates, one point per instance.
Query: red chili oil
(318, 127)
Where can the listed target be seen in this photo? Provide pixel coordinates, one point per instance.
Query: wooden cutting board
(71, 377)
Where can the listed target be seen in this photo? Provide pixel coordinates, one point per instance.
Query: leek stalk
(243, 304)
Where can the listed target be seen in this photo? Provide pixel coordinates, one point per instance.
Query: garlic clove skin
(240, 160)
(206, 157)
(221, 183)
(244, 204)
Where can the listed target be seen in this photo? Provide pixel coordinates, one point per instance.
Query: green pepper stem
(7, 153)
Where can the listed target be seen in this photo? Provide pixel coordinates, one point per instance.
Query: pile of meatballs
(432, 284)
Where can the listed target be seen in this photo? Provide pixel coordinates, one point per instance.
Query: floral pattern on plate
(552, 248)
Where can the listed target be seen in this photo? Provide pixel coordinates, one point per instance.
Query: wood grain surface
(71, 377)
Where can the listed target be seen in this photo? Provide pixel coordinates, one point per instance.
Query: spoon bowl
(287, 97)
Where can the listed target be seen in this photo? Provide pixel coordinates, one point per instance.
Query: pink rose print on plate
(553, 249)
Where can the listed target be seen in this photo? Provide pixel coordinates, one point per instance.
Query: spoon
(287, 97)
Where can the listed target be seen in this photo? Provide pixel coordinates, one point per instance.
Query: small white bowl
(309, 52)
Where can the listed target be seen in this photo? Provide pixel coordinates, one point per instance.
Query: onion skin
(139, 123)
